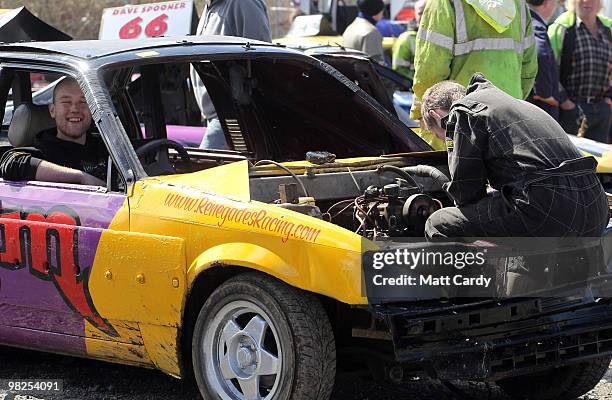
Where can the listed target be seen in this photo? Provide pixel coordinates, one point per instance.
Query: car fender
(318, 269)
(246, 255)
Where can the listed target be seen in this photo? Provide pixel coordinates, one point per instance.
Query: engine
(396, 209)
(393, 210)
(385, 201)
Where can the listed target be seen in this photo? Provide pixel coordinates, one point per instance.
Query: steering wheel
(162, 165)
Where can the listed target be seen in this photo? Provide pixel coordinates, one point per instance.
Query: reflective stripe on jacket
(454, 42)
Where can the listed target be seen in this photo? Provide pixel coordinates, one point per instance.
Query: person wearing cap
(362, 34)
(405, 46)
(458, 38)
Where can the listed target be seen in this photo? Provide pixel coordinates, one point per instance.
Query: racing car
(244, 267)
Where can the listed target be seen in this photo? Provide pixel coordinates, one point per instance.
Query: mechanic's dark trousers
(564, 201)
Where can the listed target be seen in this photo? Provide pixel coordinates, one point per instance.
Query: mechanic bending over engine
(67, 152)
(543, 186)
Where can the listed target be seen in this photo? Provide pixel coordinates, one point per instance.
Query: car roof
(93, 49)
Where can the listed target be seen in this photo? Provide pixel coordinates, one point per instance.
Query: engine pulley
(417, 209)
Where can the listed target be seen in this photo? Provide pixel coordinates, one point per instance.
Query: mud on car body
(218, 264)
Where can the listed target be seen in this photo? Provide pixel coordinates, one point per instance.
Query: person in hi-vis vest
(458, 38)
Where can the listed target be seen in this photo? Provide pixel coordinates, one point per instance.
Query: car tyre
(563, 383)
(259, 338)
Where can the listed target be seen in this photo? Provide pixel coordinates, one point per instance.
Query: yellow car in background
(311, 41)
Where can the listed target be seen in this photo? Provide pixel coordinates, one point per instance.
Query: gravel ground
(87, 379)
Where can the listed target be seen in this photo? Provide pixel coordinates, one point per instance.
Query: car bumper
(494, 340)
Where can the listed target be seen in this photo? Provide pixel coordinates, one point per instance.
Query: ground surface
(86, 379)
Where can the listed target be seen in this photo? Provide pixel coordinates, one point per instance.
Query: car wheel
(258, 338)
(563, 383)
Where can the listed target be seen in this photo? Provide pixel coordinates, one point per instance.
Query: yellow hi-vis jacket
(458, 38)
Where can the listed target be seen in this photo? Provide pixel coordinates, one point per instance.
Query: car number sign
(170, 18)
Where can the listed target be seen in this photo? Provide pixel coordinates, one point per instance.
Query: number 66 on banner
(171, 18)
(131, 30)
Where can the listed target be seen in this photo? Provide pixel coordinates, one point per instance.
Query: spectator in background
(545, 93)
(457, 38)
(582, 42)
(243, 18)
(362, 34)
(405, 46)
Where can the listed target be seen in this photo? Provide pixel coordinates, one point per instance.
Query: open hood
(284, 107)
(21, 25)
(358, 68)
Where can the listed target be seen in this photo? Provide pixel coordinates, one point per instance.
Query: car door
(49, 234)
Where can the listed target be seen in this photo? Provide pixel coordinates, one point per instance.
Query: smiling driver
(66, 153)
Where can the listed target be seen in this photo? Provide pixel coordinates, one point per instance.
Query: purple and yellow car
(243, 267)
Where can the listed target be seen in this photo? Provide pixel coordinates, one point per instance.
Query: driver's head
(70, 111)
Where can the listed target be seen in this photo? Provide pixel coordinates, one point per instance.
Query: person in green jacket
(458, 38)
(581, 41)
(404, 47)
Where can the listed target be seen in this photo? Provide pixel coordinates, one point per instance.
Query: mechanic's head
(436, 105)
(373, 8)
(70, 111)
(419, 8)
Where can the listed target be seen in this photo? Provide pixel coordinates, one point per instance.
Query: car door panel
(49, 234)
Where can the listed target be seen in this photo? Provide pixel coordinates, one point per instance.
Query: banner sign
(170, 18)
(402, 10)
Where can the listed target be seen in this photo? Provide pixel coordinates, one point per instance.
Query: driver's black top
(21, 163)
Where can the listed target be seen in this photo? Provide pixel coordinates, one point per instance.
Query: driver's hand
(86, 179)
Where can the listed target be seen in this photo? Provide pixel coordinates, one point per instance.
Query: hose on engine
(400, 172)
(427, 171)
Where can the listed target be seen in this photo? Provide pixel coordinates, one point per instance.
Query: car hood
(280, 100)
(186, 197)
(230, 180)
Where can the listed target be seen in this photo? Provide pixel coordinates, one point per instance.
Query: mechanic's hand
(551, 101)
(86, 179)
(568, 105)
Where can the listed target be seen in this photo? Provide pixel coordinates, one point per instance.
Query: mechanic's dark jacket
(510, 143)
(22, 163)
